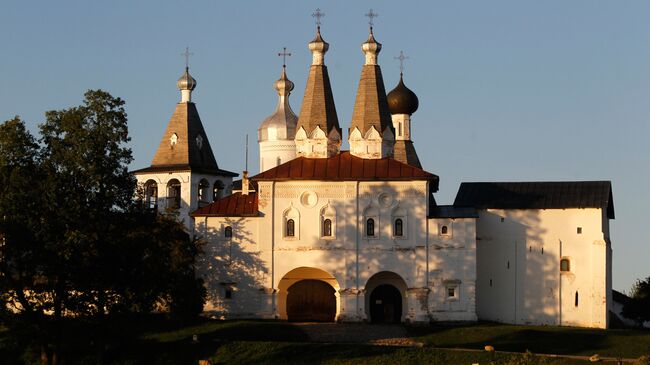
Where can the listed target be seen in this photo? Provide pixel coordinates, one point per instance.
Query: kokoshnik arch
(322, 234)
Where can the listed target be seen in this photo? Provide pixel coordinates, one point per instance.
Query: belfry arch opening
(385, 297)
(308, 294)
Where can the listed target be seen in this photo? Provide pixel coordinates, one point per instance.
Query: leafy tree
(638, 308)
(73, 241)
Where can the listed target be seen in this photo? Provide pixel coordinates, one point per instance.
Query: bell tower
(183, 174)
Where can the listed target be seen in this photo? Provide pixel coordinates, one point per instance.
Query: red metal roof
(235, 205)
(344, 166)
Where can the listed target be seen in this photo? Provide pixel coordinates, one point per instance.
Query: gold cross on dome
(401, 59)
(284, 55)
(318, 14)
(370, 16)
(187, 55)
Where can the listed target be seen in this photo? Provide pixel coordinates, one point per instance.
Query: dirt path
(387, 334)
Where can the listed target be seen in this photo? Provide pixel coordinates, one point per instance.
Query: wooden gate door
(311, 300)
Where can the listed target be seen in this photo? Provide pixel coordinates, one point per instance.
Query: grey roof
(450, 211)
(537, 195)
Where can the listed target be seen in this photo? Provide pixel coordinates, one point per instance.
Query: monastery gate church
(322, 234)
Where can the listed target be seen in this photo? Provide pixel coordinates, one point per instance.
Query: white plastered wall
(519, 277)
(349, 256)
(274, 151)
(452, 264)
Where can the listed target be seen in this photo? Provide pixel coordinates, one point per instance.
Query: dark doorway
(311, 300)
(385, 304)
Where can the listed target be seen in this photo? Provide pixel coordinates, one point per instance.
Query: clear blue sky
(509, 90)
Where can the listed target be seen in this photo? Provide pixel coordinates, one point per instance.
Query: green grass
(296, 353)
(230, 331)
(139, 341)
(538, 339)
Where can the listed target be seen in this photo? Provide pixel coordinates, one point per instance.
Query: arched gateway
(311, 300)
(308, 294)
(385, 297)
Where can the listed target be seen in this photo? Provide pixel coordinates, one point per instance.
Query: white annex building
(322, 234)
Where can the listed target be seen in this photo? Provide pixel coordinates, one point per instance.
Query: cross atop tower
(187, 55)
(318, 14)
(401, 59)
(284, 55)
(370, 16)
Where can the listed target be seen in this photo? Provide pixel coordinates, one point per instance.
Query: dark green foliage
(73, 241)
(638, 308)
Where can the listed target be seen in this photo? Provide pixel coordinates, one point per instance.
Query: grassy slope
(270, 342)
(292, 353)
(558, 340)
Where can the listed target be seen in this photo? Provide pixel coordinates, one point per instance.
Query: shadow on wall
(519, 275)
(231, 265)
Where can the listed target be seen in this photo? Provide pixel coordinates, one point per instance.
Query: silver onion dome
(186, 81)
(281, 125)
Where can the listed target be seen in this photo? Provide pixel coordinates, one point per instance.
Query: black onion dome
(401, 100)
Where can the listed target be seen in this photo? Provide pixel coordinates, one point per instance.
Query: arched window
(576, 300)
(204, 187)
(291, 228)
(327, 227)
(227, 232)
(444, 230)
(217, 190)
(150, 194)
(278, 161)
(398, 228)
(370, 227)
(565, 265)
(173, 194)
(328, 221)
(291, 224)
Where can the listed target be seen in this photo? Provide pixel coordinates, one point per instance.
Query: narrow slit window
(399, 227)
(576, 300)
(327, 228)
(291, 228)
(370, 227)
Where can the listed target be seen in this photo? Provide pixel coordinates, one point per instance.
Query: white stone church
(322, 234)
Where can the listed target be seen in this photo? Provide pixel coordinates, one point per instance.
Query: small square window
(565, 265)
(503, 219)
(451, 292)
(579, 230)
